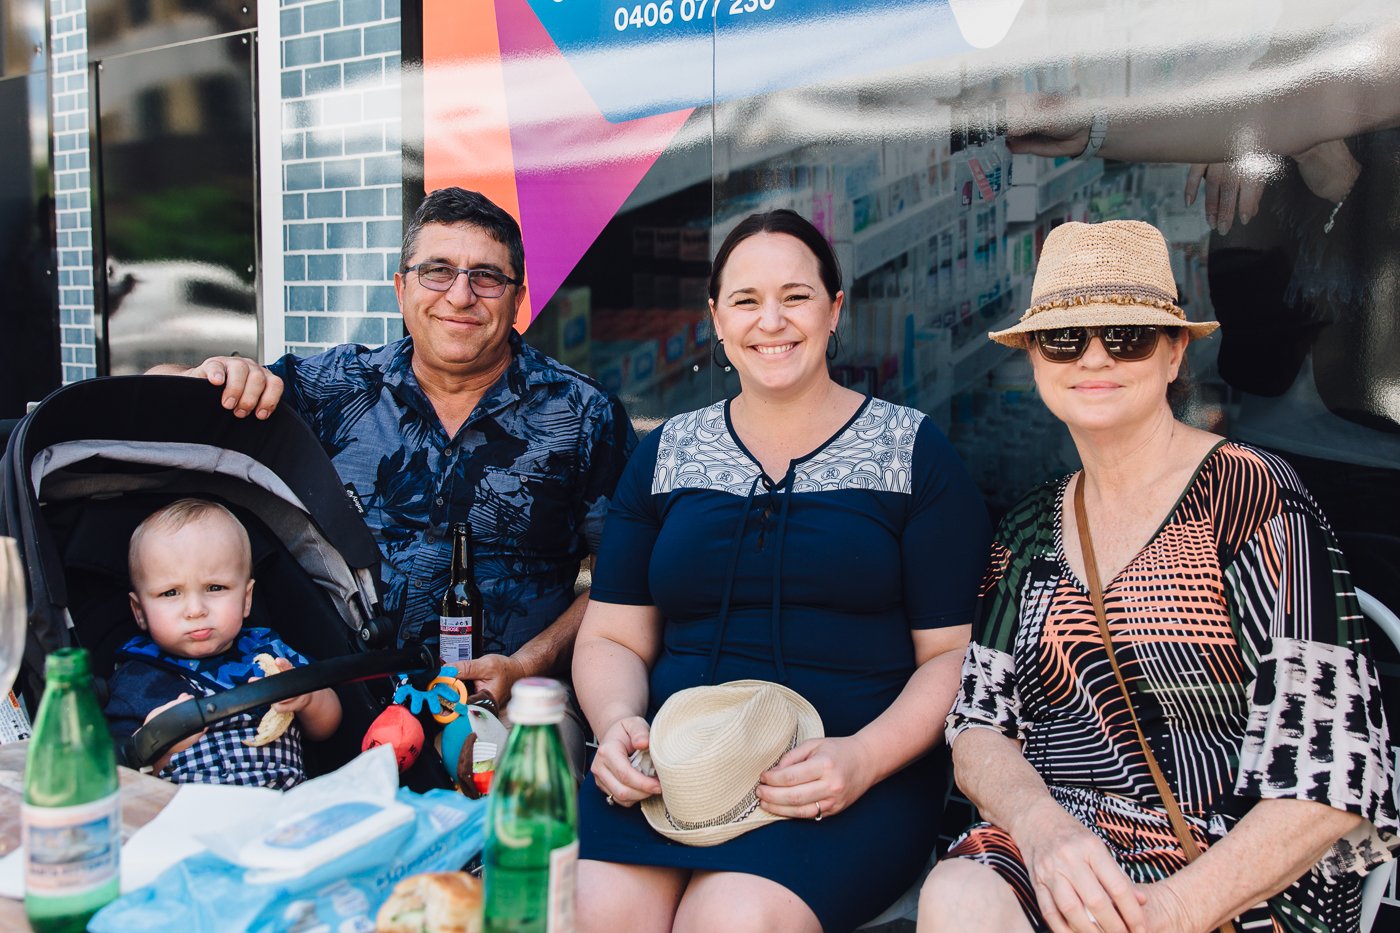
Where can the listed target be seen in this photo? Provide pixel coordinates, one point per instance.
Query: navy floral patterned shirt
(531, 469)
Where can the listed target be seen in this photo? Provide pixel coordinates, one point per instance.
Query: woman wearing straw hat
(800, 535)
(1167, 661)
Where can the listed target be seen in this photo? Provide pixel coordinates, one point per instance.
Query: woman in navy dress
(799, 533)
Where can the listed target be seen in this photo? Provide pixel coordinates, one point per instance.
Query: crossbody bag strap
(1164, 790)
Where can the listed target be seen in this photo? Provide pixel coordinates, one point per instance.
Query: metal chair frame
(1381, 880)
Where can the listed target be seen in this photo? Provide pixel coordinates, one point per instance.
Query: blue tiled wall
(68, 89)
(341, 171)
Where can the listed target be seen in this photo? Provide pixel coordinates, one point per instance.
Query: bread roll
(433, 902)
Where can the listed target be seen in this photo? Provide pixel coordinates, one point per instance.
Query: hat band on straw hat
(740, 811)
(1147, 299)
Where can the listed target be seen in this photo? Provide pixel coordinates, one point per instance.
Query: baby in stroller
(192, 589)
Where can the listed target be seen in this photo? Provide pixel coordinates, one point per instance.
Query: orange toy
(398, 728)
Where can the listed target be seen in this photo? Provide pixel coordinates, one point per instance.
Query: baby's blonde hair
(177, 515)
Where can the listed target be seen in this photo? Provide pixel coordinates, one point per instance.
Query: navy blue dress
(813, 581)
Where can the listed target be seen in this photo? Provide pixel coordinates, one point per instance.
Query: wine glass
(13, 613)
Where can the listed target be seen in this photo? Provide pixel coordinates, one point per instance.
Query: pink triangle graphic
(573, 168)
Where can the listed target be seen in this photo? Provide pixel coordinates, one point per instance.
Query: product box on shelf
(562, 329)
(695, 244)
(668, 243)
(624, 365)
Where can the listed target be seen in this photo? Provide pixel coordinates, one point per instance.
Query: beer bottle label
(71, 850)
(563, 872)
(455, 638)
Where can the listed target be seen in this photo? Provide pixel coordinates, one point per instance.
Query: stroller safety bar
(149, 742)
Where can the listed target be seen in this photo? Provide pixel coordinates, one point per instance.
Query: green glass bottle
(71, 818)
(531, 856)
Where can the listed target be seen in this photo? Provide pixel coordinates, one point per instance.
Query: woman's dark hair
(785, 221)
(460, 206)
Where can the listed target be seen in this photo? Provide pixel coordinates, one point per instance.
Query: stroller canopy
(105, 437)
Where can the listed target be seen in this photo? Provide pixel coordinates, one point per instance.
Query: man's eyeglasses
(484, 283)
(1126, 343)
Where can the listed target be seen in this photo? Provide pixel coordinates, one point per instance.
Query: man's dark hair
(785, 221)
(460, 206)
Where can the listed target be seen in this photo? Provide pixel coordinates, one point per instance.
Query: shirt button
(438, 500)
(447, 451)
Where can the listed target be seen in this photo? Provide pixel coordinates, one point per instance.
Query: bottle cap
(536, 701)
(67, 664)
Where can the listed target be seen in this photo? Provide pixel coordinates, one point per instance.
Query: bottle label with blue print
(71, 850)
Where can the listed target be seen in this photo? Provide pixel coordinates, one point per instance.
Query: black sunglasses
(1126, 343)
(439, 276)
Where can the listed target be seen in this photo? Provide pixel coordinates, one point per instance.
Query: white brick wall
(340, 170)
(68, 89)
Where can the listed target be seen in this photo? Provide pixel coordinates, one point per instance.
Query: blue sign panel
(659, 56)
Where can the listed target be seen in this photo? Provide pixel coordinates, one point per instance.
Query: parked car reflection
(177, 312)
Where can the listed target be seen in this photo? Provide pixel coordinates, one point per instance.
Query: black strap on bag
(1164, 790)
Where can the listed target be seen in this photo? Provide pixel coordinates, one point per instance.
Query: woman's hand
(1329, 170)
(612, 766)
(1077, 883)
(817, 778)
(1166, 911)
(1229, 191)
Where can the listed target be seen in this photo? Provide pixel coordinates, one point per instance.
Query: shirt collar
(528, 369)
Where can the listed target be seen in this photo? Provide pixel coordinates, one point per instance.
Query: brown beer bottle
(460, 615)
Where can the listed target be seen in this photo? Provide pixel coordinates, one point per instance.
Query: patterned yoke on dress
(1242, 646)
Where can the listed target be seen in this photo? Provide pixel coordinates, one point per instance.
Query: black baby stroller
(90, 462)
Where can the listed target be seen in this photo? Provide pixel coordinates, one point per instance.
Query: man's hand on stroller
(248, 386)
(494, 673)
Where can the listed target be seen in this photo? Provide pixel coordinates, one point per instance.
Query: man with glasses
(461, 421)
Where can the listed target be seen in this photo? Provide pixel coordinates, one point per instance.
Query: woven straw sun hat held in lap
(1094, 275)
(709, 746)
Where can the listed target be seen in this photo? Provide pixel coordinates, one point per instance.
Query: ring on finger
(818, 818)
(609, 800)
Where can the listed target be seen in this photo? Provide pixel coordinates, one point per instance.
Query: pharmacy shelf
(978, 355)
(894, 236)
(660, 377)
(1052, 188)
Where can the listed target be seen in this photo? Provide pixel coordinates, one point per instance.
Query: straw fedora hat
(1115, 272)
(709, 745)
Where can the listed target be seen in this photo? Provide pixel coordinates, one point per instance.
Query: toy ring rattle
(447, 709)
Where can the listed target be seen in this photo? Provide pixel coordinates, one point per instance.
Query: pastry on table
(433, 902)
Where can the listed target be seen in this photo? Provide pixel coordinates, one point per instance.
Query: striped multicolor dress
(1239, 636)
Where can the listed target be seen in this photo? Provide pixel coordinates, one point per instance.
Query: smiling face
(774, 315)
(1097, 392)
(193, 587)
(455, 333)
